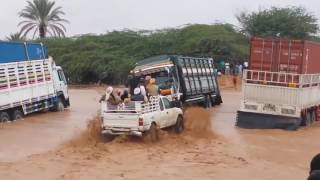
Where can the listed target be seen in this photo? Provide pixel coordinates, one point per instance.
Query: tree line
(109, 57)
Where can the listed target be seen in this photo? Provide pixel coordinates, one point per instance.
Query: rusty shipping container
(284, 55)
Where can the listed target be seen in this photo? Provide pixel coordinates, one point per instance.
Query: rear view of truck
(282, 87)
(138, 118)
(29, 81)
(185, 79)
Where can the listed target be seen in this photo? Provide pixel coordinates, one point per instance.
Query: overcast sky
(100, 16)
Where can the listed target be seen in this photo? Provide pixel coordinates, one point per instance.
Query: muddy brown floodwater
(225, 152)
(41, 132)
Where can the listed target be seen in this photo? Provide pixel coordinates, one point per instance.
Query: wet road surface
(42, 132)
(272, 154)
(236, 154)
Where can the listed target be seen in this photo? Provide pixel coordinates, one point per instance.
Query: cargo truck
(281, 89)
(30, 81)
(182, 79)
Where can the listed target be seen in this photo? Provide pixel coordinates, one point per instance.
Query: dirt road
(230, 153)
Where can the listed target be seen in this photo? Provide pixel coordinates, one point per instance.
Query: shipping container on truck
(284, 55)
(29, 81)
(281, 89)
(184, 79)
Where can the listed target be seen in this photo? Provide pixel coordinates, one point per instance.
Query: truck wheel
(313, 116)
(4, 117)
(17, 115)
(152, 135)
(218, 100)
(209, 102)
(59, 106)
(179, 127)
(308, 119)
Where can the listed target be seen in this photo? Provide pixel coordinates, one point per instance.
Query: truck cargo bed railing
(133, 106)
(281, 79)
(22, 74)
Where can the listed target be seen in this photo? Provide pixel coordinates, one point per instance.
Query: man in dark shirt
(137, 96)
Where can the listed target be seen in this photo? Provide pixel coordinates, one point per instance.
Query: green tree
(42, 16)
(110, 57)
(290, 22)
(16, 37)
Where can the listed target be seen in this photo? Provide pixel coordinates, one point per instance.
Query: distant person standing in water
(240, 70)
(234, 80)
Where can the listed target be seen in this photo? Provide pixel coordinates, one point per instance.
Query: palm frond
(26, 26)
(29, 29)
(42, 14)
(35, 32)
(60, 26)
(16, 37)
(59, 31)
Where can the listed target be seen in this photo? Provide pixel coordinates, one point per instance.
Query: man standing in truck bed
(152, 88)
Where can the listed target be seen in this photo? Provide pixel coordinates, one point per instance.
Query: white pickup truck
(141, 119)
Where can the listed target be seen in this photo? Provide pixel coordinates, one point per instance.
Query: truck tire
(209, 102)
(59, 105)
(152, 135)
(307, 120)
(218, 100)
(17, 115)
(179, 126)
(313, 116)
(4, 117)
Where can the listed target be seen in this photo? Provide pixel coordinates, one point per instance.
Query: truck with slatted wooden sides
(281, 89)
(186, 80)
(30, 81)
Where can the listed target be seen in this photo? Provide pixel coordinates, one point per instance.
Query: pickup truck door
(163, 116)
(169, 111)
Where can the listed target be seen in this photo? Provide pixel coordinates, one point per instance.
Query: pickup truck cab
(141, 119)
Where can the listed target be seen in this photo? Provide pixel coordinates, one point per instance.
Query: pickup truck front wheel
(179, 127)
(152, 135)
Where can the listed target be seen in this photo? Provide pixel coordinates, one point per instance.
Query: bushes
(109, 57)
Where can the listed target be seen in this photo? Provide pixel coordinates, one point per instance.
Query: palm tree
(16, 37)
(41, 16)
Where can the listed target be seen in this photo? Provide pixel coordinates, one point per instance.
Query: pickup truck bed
(136, 118)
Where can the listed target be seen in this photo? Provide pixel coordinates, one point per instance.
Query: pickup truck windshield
(164, 82)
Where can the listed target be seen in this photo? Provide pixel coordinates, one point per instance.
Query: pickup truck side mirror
(174, 104)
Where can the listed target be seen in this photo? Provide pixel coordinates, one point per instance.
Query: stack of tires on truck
(281, 89)
(29, 81)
